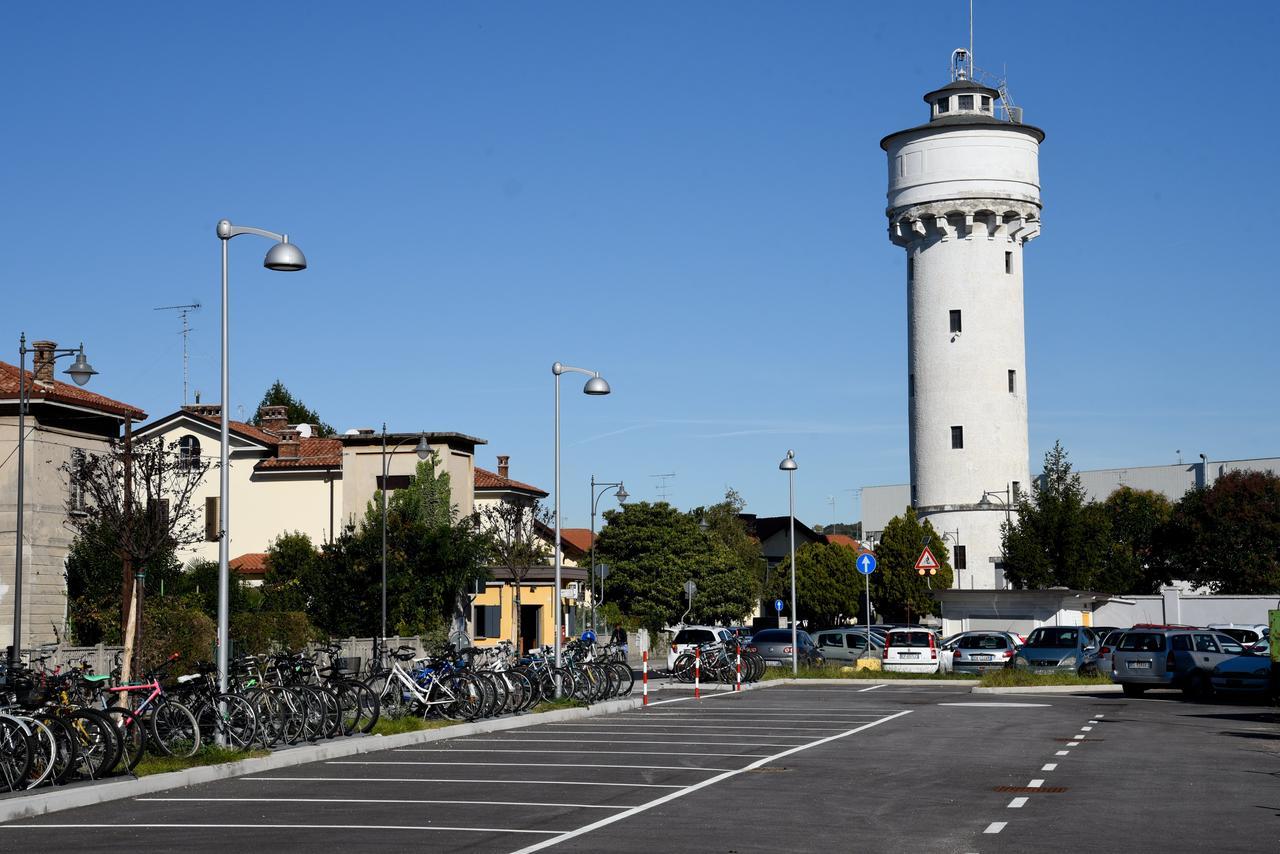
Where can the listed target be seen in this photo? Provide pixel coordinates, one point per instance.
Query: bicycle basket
(348, 664)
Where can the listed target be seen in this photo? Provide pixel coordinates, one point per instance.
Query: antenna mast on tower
(184, 311)
(663, 489)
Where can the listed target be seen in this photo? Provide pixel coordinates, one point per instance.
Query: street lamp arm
(559, 369)
(226, 231)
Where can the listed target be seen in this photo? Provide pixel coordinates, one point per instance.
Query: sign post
(777, 606)
(866, 564)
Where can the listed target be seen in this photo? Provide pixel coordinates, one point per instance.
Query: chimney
(274, 419)
(290, 446)
(504, 466)
(42, 361)
(208, 410)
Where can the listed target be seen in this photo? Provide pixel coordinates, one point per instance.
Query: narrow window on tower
(986, 103)
(955, 320)
(966, 102)
(911, 385)
(942, 104)
(961, 559)
(1013, 382)
(911, 270)
(1016, 492)
(1008, 263)
(913, 495)
(957, 438)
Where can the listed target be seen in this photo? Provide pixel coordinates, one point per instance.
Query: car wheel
(1133, 690)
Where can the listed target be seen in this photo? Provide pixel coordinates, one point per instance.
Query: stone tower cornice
(965, 219)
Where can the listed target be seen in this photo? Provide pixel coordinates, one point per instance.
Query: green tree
(292, 561)
(299, 413)
(1136, 520)
(898, 590)
(93, 572)
(828, 584)
(652, 549)
(1227, 537)
(730, 585)
(1057, 539)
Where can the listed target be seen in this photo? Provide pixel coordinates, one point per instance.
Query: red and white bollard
(645, 678)
(697, 673)
(737, 685)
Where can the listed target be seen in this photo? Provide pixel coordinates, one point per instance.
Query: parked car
(1250, 673)
(947, 647)
(978, 652)
(847, 644)
(1247, 634)
(690, 636)
(910, 651)
(1109, 643)
(1170, 658)
(774, 646)
(1059, 649)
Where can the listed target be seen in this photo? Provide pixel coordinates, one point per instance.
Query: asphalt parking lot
(798, 768)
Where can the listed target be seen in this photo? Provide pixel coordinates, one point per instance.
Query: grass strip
(1019, 678)
(210, 754)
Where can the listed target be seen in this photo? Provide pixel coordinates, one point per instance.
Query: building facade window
(913, 495)
(1013, 382)
(955, 321)
(1016, 491)
(986, 103)
(943, 104)
(1008, 263)
(961, 559)
(211, 521)
(911, 270)
(488, 621)
(966, 102)
(75, 486)
(188, 453)
(957, 438)
(395, 481)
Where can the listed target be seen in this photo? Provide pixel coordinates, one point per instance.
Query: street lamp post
(597, 386)
(80, 371)
(284, 257)
(989, 494)
(423, 450)
(595, 502)
(788, 465)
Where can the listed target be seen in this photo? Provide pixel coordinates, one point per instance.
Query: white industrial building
(963, 201)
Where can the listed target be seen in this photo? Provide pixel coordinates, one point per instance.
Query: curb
(1054, 689)
(31, 805)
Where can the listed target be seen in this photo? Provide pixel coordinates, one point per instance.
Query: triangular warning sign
(927, 561)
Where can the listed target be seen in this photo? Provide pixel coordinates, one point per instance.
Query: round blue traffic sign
(777, 605)
(866, 563)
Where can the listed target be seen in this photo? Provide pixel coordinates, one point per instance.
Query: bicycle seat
(97, 677)
(189, 677)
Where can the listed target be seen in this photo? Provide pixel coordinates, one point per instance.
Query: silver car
(979, 652)
(847, 644)
(1171, 658)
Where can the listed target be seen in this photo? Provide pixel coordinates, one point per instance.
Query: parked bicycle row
(62, 724)
(728, 662)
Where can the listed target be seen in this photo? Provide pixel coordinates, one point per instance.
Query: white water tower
(963, 201)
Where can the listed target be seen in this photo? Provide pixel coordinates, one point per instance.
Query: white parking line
(1017, 803)
(612, 724)
(574, 752)
(872, 688)
(702, 785)
(995, 827)
(1073, 744)
(529, 765)
(140, 826)
(1062, 753)
(1035, 784)
(488, 781)
(1086, 729)
(1099, 716)
(382, 801)
(722, 743)
(1052, 766)
(780, 717)
(668, 731)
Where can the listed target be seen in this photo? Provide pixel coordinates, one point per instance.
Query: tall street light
(284, 257)
(80, 371)
(423, 451)
(788, 465)
(597, 386)
(595, 502)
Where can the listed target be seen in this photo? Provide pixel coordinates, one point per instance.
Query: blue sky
(687, 197)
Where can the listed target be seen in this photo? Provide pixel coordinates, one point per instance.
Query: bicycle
(171, 726)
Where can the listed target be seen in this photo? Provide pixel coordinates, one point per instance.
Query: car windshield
(1141, 642)
(772, 636)
(1113, 638)
(909, 639)
(1241, 635)
(984, 642)
(694, 636)
(1052, 638)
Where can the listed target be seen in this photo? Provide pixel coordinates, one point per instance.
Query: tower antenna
(184, 311)
(663, 489)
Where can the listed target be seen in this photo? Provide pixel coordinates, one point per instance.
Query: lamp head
(985, 501)
(80, 371)
(285, 257)
(423, 450)
(596, 385)
(789, 462)
(623, 495)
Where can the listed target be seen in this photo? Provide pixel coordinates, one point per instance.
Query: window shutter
(211, 513)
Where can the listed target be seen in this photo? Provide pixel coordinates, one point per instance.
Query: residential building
(63, 420)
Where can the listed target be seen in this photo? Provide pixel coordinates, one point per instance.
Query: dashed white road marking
(1086, 729)
(1035, 784)
(1016, 803)
(872, 688)
(1062, 753)
(1052, 766)
(1099, 716)
(1073, 744)
(995, 827)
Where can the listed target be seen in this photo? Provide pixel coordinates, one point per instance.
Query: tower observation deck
(963, 201)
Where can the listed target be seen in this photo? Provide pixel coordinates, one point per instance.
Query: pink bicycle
(170, 726)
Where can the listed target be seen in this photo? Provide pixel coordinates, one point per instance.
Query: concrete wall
(1173, 606)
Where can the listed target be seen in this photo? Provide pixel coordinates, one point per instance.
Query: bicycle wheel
(370, 708)
(15, 754)
(130, 735)
(518, 689)
(65, 759)
(626, 679)
(349, 710)
(231, 716)
(175, 730)
(97, 747)
(44, 753)
(682, 670)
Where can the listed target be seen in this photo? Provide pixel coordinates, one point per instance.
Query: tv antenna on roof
(184, 311)
(663, 489)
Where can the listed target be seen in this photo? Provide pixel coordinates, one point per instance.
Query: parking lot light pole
(788, 465)
(283, 257)
(594, 386)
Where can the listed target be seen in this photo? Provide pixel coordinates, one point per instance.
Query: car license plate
(1045, 663)
(909, 654)
(1139, 665)
(980, 657)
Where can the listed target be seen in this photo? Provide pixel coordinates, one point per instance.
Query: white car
(690, 636)
(1247, 633)
(910, 651)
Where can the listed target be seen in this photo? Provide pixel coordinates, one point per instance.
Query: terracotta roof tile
(61, 392)
(252, 563)
(486, 479)
(579, 538)
(313, 452)
(846, 541)
(246, 430)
